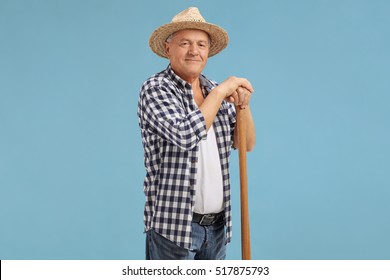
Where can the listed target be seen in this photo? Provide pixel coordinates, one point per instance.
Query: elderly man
(188, 129)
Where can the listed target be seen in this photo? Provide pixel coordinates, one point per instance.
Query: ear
(167, 49)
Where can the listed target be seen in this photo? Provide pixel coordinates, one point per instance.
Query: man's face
(188, 52)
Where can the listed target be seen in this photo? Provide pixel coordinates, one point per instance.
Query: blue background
(71, 159)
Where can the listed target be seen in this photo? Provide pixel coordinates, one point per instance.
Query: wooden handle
(245, 232)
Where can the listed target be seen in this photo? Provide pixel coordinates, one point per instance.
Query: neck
(195, 83)
(192, 80)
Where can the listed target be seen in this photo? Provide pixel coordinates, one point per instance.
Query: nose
(193, 50)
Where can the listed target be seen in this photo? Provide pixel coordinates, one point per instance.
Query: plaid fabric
(171, 128)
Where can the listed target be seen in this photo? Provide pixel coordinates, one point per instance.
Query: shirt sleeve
(232, 120)
(163, 114)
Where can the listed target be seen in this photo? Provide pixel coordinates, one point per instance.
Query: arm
(234, 90)
(237, 91)
(162, 114)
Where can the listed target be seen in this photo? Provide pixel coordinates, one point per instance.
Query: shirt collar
(176, 79)
(183, 84)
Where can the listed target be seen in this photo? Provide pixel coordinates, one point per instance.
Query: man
(187, 124)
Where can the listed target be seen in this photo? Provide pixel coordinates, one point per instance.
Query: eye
(184, 44)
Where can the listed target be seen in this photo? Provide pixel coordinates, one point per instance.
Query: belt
(207, 219)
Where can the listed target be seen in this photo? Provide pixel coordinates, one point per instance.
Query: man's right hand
(236, 90)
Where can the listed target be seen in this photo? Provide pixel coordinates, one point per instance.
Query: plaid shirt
(171, 127)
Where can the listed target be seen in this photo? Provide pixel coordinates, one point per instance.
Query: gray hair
(170, 37)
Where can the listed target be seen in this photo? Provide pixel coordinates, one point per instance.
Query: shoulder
(160, 89)
(208, 82)
(158, 80)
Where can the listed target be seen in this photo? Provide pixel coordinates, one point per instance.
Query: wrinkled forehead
(192, 34)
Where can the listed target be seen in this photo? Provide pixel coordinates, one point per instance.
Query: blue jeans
(208, 243)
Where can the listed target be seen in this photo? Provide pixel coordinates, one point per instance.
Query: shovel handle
(245, 232)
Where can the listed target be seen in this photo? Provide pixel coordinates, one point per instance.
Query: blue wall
(71, 159)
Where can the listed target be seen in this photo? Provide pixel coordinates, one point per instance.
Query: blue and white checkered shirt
(171, 127)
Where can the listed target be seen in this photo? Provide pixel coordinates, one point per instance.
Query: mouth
(193, 60)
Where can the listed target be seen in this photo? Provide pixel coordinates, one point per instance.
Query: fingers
(235, 97)
(237, 91)
(230, 99)
(243, 83)
(240, 97)
(243, 95)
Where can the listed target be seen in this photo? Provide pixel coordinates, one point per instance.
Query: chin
(196, 69)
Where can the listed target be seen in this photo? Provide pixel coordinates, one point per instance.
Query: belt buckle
(209, 219)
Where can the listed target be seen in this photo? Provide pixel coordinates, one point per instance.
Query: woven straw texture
(188, 19)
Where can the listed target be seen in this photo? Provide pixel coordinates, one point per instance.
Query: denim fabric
(208, 243)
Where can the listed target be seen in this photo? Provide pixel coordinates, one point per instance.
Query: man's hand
(237, 91)
(234, 90)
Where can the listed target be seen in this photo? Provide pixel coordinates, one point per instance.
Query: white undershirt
(209, 185)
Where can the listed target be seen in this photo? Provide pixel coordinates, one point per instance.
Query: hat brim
(218, 36)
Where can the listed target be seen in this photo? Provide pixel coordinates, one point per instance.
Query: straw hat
(188, 19)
